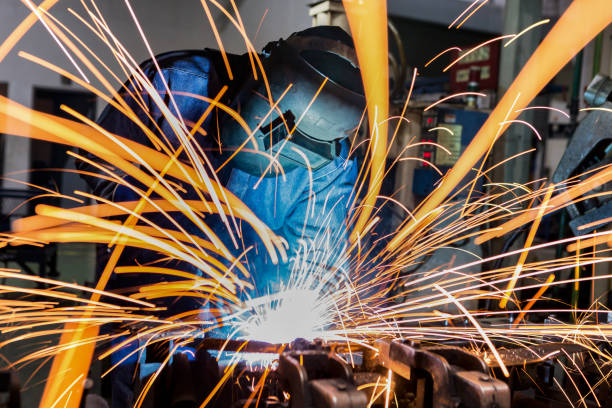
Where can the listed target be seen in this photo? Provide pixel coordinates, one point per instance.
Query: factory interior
(449, 247)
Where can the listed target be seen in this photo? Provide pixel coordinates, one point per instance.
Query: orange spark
(368, 22)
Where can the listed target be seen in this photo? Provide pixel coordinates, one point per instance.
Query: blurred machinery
(384, 374)
(445, 133)
(9, 389)
(589, 150)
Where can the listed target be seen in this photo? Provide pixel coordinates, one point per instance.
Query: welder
(308, 135)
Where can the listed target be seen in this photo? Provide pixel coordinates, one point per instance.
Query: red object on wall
(486, 59)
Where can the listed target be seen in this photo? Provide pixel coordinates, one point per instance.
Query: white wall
(489, 18)
(166, 24)
(282, 17)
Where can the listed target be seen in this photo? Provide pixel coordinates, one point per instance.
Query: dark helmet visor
(323, 105)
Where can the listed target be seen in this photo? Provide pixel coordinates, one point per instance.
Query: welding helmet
(317, 100)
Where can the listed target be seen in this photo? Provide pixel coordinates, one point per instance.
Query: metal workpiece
(201, 340)
(316, 374)
(460, 357)
(521, 356)
(240, 345)
(336, 393)
(479, 390)
(159, 345)
(316, 378)
(465, 382)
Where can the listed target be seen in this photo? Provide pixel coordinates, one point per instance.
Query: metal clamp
(315, 378)
(465, 381)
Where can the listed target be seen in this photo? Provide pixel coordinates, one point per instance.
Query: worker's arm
(187, 73)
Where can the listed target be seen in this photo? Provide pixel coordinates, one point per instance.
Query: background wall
(266, 20)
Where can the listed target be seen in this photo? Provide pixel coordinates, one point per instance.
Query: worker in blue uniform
(307, 135)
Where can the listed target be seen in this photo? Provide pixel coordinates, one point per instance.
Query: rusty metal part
(480, 390)
(441, 376)
(535, 354)
(316, 378)
(465, 381)
(460, 357)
